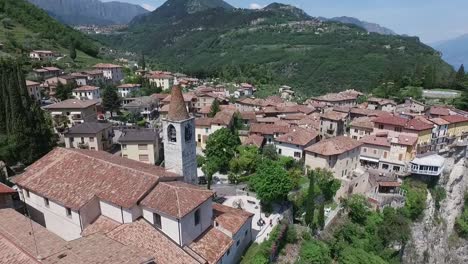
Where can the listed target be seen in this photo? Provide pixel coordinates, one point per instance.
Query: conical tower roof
(177, 109)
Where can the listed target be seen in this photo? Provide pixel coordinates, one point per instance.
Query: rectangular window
(397, 129)
(143, 158)
(91, 139)
(279, 151)
(375, 152)
(400, 157)
(46, 202)
(125, 155)
(157, 220)
(124, 146)
(197, 217)
(364, 150)
(206, 130)
(385, 154)
(297, 154)
(355, 130)
(68, 211)
(381, 126)
(142, 147)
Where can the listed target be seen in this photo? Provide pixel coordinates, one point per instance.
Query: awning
(56, 113)
(369, 159)
(75, 113)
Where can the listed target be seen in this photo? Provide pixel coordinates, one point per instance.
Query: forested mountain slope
(278, 44)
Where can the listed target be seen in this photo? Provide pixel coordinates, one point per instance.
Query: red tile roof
(406, 140)
(102, 225)
(418, 125)
(203, 122)
(86, 88)
(299, 136)
(224, 117)
(5, 189)
(255, 140)
(141, 234)
(177, 108)
(334, 146)
(439, 121)
(335, 116)
(229, 218)
(129, 85)
(212, 245)
(268, 129)
(391, 120)
(73, 177)
(341, 96)
(72, 104)
(363, 122)
(375, 140)
(248, 115)
(31, 83)
(439, 111)
(455, 119)
(106, 65)
(176, 199)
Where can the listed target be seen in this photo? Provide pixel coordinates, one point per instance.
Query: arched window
(171, 133)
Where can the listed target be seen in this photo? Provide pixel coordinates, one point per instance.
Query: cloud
(256, 6)
(148, 7)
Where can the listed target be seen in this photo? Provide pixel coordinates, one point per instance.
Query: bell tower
(179, 139)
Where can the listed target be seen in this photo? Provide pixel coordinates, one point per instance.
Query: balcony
(76, 117)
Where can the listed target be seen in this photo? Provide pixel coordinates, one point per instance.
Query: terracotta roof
(268, 129)
(406, 140)
(18, 230)
(298, 116)
(334, 146)
(255, 140)
(363, 122)
(224, 117)
(381, 101)
(389, 184)
(176, 199)
(5, 189)
(333, 115)
(341, 96)
(12, 254)
(248, 115)
(229, 218)
(177, 108)
(375, 140)
(72, 104)
(263, 120)
(439, 110)
(299, 136)
(72, 177)
(102, 225)
(367, 112)
(31, 83)
(160, 76)
(212, 245)
(86, 88)
(159, 96)
(88, 128)
(417, 124)
(141, 234)
(203, 122)
(439, 121)
(391, 120)
(106, 65)
(455, 119)
(129, 85)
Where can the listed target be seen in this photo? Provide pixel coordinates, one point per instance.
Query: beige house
(41, 55)
(140, 145)
(360, 127)
(293, 143)
(340, 155)
(382, 104)
(332, 124)
(373, 150)
(164, 81)
(90, 135)
(111, 72)
(204, 127)
(87, 92)
(34, 90)
(73, 112)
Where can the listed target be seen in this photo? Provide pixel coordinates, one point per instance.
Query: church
(76, 194)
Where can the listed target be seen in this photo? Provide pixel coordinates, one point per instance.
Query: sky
(431, 20)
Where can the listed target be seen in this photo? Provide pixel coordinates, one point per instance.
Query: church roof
(177, 109)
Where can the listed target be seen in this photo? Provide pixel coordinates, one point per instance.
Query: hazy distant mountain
(370, 27)
(85, 12)
(454, 51)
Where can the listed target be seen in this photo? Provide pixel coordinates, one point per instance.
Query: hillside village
(120, 188)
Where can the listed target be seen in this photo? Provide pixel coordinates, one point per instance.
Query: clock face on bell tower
(188, 132)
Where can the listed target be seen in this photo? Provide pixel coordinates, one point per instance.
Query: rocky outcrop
(432, 240)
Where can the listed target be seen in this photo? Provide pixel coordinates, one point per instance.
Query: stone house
(90, 135)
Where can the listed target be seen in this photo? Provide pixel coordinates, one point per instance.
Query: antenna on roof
(32, 232)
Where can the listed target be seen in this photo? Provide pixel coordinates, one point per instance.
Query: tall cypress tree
(26, 129)
(310, 203)
(460, 76)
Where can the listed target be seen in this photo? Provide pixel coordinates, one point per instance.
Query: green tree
(310, 203)
(327, 183)
(357, 208)
(220, 148)
(270, 182)
(64, 91)
(25, 129)
(314, 252)
(460, 76)
(142, 62)
(209, 169)
(351, 255)
(416, 194)
(72, 50)
(214, 108)
(110, 99)
(321, 216)
(394, 228)
(245, 161)
(461, 224)
(269, 152)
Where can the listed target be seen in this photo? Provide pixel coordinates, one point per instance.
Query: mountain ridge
(454, 51)
(90, 12)
(369, 26)
(279, 44)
